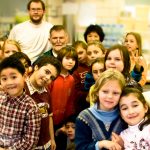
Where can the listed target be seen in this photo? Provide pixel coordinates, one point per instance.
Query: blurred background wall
(116, 17)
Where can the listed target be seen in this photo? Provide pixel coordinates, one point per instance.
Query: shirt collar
(32, 89)
(54, 53)
(6, 97)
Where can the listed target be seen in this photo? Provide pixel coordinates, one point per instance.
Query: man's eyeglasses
(36, 9)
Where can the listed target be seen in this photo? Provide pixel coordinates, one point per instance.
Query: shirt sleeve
(83, 136)
(31, 131)
(12, 34)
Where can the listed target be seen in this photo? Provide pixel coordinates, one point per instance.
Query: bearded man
(33, 34)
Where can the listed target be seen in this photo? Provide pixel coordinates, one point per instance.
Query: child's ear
(36, 67)
(25, 75)
(146, 107)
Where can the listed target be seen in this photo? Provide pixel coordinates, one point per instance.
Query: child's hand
(110, 145)
(116, 138)
(138, 60)
(53, 145)
(62, 129)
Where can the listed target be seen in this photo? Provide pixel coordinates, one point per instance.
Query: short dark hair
(45, 60)
(12, 62)
(21, 55)
(71, 119)
(94, 28)
(36, 1)
(57, 28)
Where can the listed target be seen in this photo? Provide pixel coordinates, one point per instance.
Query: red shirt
(62, 102)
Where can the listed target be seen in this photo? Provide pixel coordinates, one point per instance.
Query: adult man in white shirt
(33, 34)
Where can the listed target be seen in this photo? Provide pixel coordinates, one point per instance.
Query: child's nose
(110, 95)
(131, 111)
(71, 60)
(112, 61)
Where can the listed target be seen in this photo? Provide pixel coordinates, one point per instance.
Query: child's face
(109, 95)
(70, 129)
(27, 67)
(12, 81)
(114, 60)
(93, 52)
(131, 43)
(92, 36)
(97, 69)
(9, 50)
(132, 110)
(82, 56)
(68, 63)
(44, 75)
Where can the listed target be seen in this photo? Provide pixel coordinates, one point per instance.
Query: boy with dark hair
(19, 115)
(45, 69)
(66, 135)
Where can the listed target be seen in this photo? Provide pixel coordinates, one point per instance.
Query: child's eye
(126, 40)
(123, 108)
(89, 53)
(26, 66)
(105, 92)
(131, 41)
(95, 71)
(3, 79)
(108, 58)
(6, 52)
(116, 93)
(80, 53)
(13, 77)
(52, 78)
(95, 52)
(118, 59)
(47, 72)
(135, 105)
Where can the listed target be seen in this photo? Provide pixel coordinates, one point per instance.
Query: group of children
(37, 102)
(99, 126)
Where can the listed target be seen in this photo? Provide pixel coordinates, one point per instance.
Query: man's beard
(36, 21)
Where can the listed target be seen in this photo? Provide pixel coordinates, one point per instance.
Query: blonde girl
(10, 47)
(94, 125)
